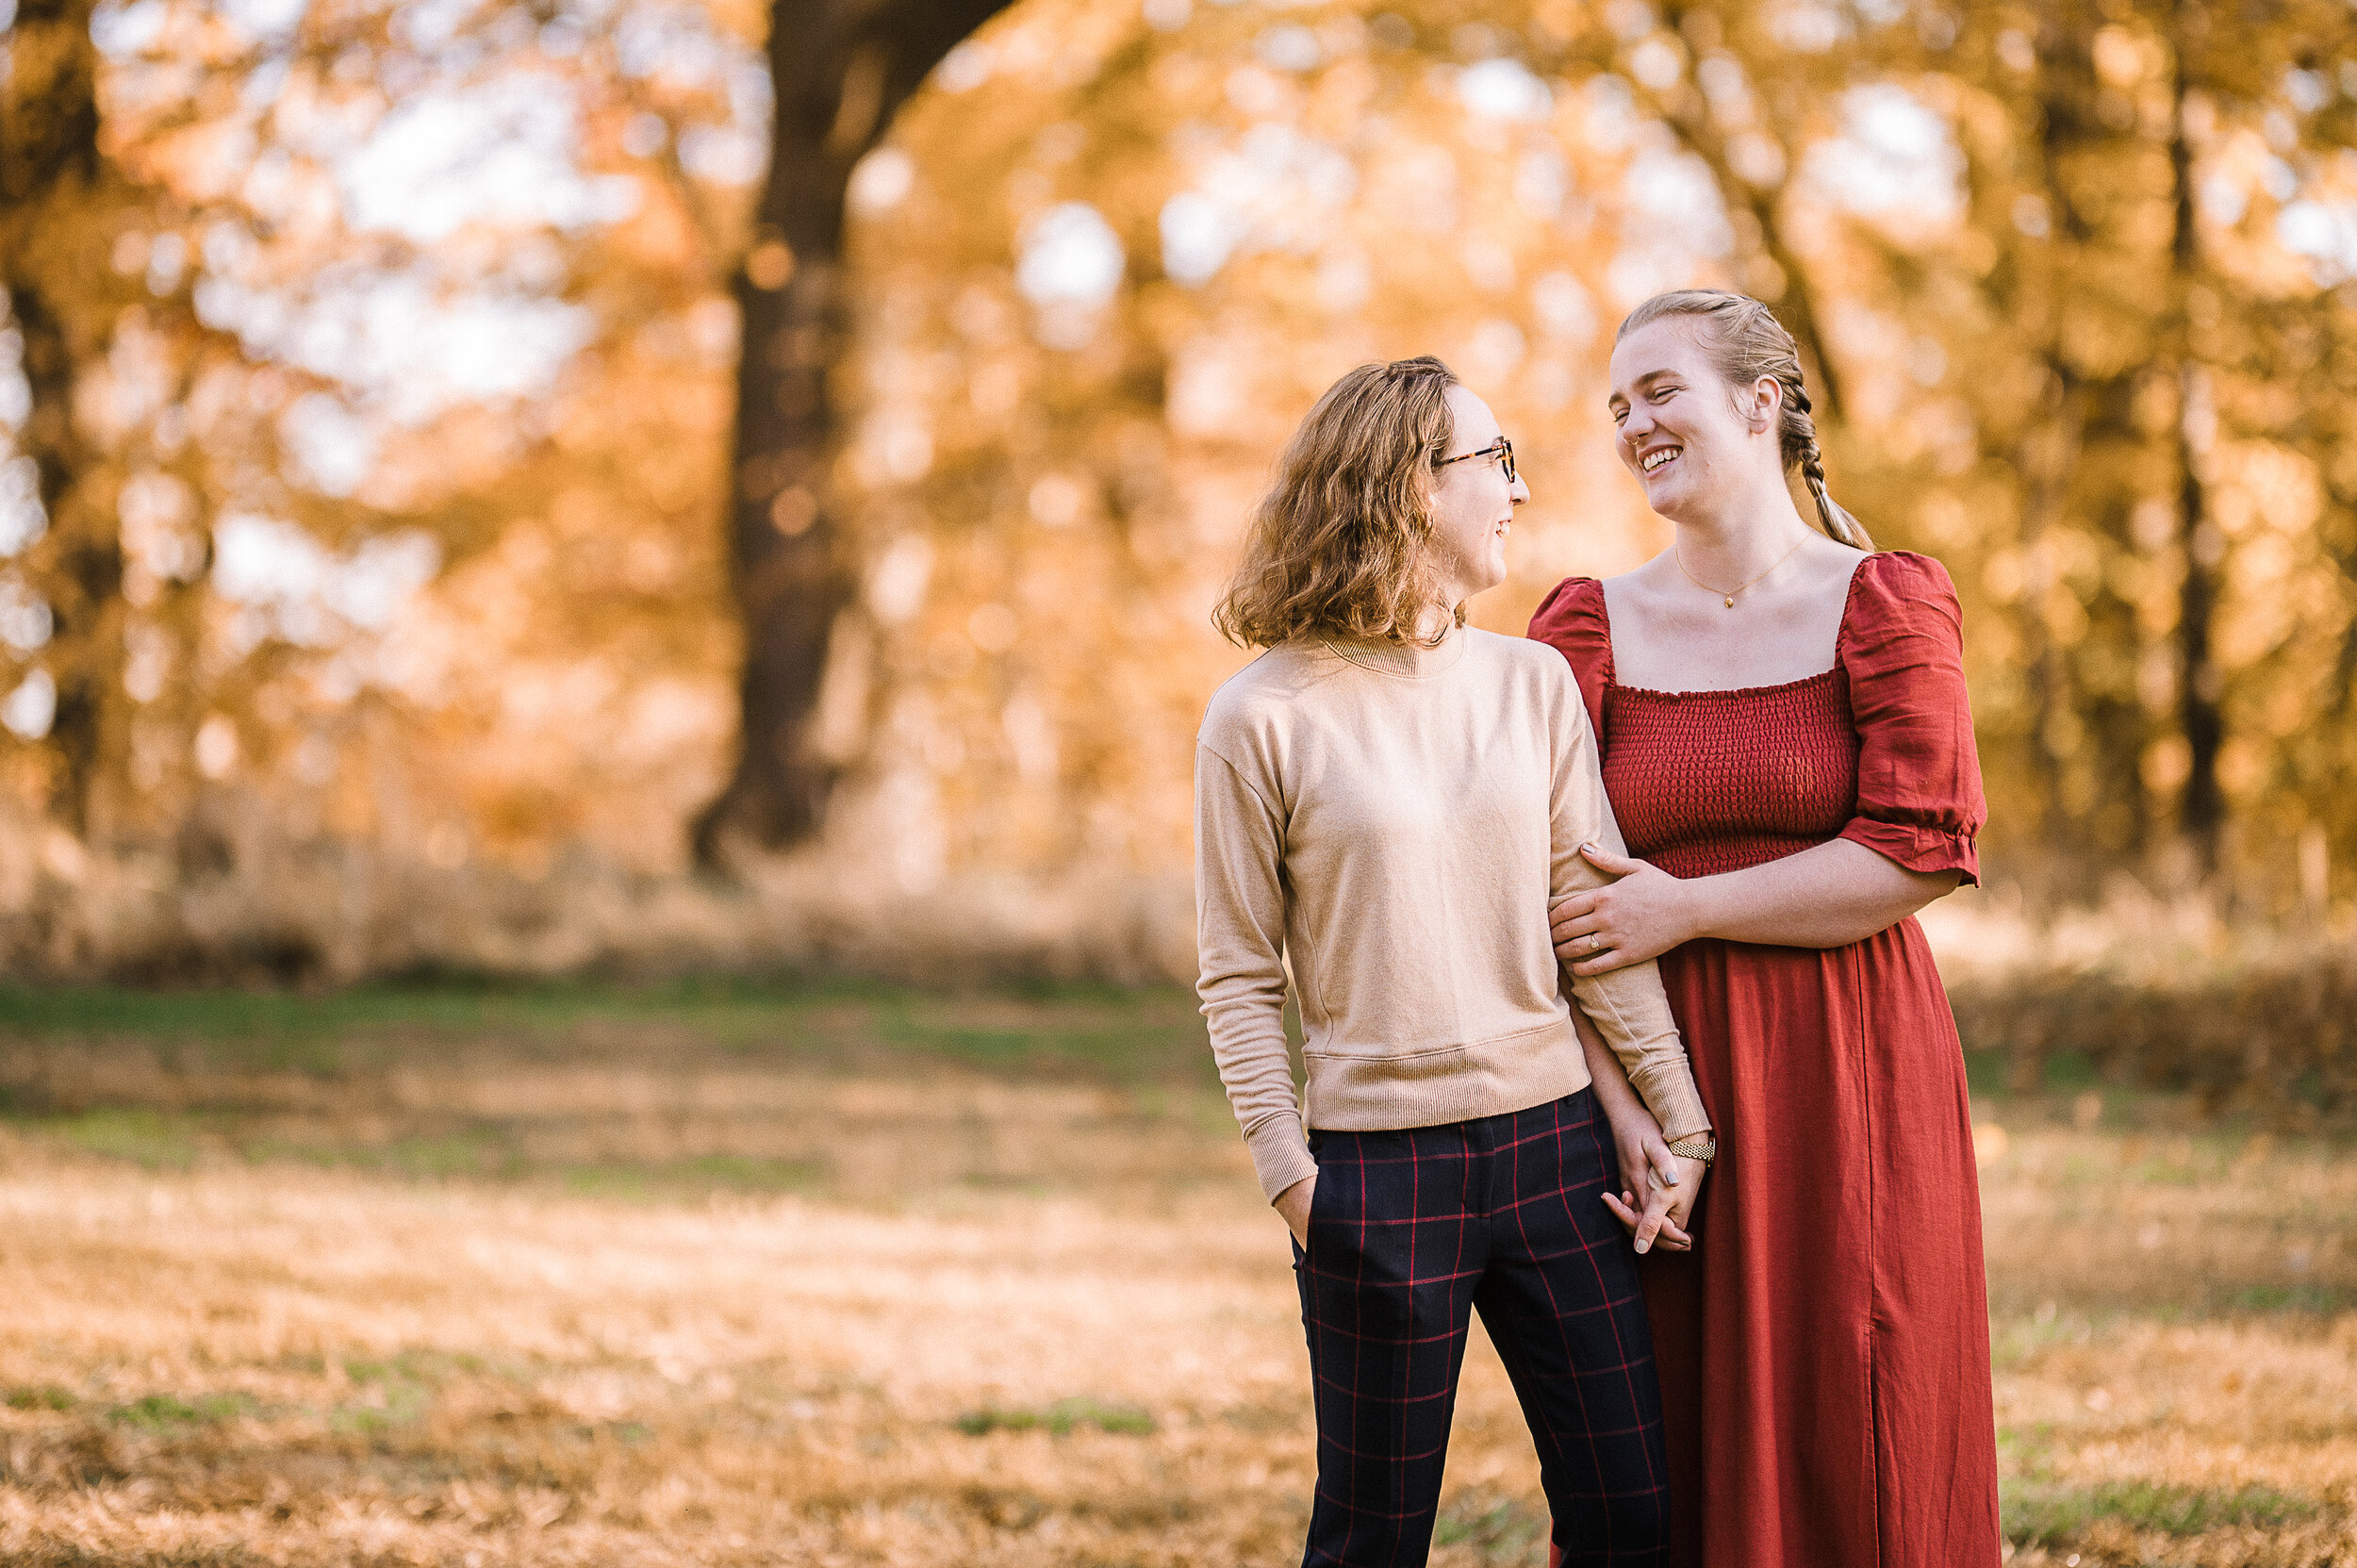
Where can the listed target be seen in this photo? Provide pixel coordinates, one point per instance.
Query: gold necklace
(1728, 594)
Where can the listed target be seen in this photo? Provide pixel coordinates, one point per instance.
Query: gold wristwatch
(1697, 1146)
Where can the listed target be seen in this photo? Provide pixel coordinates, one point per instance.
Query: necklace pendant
(1730, 601)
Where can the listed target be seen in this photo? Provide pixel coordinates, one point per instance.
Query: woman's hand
(1294, 1203)
(1643, 915)
(1668, 1211)
(1669, 1194)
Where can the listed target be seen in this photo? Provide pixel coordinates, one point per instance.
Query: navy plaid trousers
(1412, 1231)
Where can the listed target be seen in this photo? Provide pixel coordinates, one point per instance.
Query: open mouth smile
(1657, 456)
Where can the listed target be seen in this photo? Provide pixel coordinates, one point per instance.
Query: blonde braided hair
(1746, 341)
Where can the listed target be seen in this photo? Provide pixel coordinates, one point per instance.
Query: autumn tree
(840, 69)
(53, 175)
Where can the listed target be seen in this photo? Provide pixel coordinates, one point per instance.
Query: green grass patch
(1150, 1032)
(1499, 1530)
(2321, 1301)
(46, 1398)
(2162, 1172)
(397, 1390)
(164, 1411)
(2067, 1071)
(1061, 1418)
(431, 1367)
(2040, 1513)
(151, 1138)
(402, 1403)
(486, 1149)
(2017, 1336)
(706, 1174)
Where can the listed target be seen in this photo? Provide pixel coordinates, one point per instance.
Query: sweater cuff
(1669, 1093)
(1279, 1155)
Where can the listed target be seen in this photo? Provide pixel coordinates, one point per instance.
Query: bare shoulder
(1650, 576)
(1643, 594)
(1827, 568)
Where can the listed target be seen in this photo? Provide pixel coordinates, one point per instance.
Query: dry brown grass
(640, 1293)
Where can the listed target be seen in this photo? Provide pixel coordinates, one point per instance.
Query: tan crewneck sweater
(1398, 822)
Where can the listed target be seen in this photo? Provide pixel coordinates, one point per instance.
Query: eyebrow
(1643, 382)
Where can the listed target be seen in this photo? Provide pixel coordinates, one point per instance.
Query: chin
(1665, 498)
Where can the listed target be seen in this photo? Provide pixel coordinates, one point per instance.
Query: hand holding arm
(1829, 896)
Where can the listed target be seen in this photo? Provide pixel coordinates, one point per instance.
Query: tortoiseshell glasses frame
(1501, 449)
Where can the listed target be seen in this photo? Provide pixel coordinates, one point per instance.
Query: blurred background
(602, 611)
(518, 486)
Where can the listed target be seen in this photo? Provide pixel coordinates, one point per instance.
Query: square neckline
(1840, 631)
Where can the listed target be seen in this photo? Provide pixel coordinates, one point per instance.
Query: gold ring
(1594, 945)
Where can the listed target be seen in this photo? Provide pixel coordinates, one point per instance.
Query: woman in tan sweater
(1389, 801)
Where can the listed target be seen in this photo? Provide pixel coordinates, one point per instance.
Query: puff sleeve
(1571, 621)
(1918, 777)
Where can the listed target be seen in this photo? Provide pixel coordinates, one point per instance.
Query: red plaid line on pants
(1411, 1232)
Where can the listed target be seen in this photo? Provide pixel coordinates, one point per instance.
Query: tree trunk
(50, 170)
(841, 71)
(2201, 809)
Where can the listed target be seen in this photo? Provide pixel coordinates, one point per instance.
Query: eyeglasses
(1501, 449)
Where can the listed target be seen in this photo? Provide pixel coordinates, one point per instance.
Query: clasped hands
(1672, 1184)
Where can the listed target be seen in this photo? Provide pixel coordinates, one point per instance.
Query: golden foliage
(2075, 295)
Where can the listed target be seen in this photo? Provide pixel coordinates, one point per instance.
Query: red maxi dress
(1823, 1350)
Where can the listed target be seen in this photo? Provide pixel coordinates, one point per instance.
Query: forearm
(1613, 1094)
(1239, 936)
(1248, 1044)
(1627, 1009)
(1828, 897)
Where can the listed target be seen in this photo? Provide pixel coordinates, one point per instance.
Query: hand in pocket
(1294, 1203)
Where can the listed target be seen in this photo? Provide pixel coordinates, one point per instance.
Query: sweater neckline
(1405, 661)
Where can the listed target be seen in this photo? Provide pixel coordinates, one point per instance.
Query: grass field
(837, 1274)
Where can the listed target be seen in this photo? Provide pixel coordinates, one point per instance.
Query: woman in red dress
(1788, 747)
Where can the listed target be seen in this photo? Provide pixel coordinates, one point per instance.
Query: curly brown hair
(1340, 545)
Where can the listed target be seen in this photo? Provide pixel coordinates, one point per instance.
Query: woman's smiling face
(1473, 502)
(1679, 430)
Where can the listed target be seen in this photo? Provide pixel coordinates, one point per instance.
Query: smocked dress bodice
(1731, 779)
